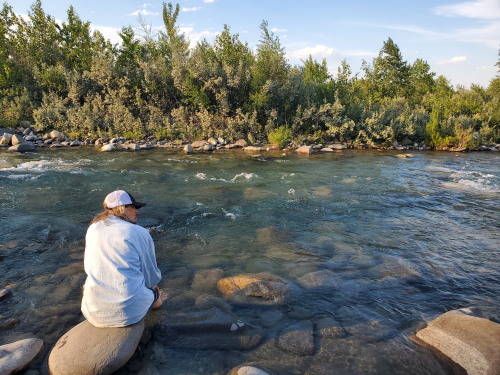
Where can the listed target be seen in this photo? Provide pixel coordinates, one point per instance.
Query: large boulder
(22, 147)
(241, 143)
(262, 288)
(305, 150)
(254, 148)
(6, 138)
(89, 350)
(337, 146)
(471, 341)
(18, 355)
(17, 139)
(198, 144)
(108, 147)
(54, 134)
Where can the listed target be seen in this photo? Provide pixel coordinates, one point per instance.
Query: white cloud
(143, 12)
(195, 36)
(360, 53)
(453, 60)
(193, 9)
(487, 34)
(110, 33)
(318, 51)
(276, 30)
(485, 9)
(208, 1)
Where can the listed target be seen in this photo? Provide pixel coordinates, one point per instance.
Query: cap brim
(139, 204)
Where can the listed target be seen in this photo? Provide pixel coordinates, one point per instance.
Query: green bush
(14, 107)
(280, 136)
(51, 114)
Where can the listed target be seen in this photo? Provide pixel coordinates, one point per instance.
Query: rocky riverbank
(28, 140)
(464, 339)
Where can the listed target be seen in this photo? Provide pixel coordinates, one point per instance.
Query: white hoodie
(121, 269)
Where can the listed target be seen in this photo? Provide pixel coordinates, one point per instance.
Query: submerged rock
(322, 192)
(206, 280)
(8, 323)
(468, 340)
(261, 288)
(320, 279)
(396, 267)
(272, 235)
(212, 328)
(330, 328)
(18, 355)
(404, 156)
(298, 338)
(89, 350)
(254, 193)
(247, 370)
(5, 292)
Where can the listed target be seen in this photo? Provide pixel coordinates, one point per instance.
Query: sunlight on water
(372, 246)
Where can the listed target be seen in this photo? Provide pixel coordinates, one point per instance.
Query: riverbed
(403, 240)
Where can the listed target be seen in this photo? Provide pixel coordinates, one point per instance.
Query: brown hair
(118, 211)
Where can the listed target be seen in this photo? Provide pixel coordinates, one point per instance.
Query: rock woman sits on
(120, 263)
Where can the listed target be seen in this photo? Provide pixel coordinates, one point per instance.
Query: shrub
(280, 136)
(51, 114)
(14, 107)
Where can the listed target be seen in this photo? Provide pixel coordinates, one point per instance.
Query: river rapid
(406, 239)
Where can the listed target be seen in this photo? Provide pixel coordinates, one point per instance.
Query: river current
(406, 239)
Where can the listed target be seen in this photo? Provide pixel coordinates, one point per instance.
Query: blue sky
(459, 39)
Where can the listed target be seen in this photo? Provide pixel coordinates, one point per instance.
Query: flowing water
(403, 240)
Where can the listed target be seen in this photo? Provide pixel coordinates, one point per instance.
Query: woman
(120, 263)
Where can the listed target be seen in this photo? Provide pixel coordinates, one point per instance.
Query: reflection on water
(374, 246)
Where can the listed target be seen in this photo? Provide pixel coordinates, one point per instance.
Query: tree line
(70, 78)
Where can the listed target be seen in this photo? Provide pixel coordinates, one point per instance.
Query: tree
(421, 81)
(269, 74)
(175, 47)
(390, 74)
(317, 81)
(77, 45)
(236, 60)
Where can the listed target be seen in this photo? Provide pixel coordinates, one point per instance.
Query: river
(403, 240)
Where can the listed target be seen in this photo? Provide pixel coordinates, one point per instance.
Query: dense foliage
(66, 77)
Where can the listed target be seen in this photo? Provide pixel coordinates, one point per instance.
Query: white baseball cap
(120, 198)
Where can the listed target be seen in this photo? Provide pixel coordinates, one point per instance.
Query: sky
(458, 39)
